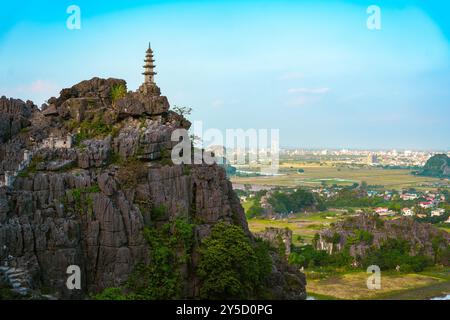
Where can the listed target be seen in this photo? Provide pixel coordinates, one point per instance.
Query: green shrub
(161, 278)
(230, 266)
(82, 198)
(94, 128)
(255, 211)
(396, 252)
(296, 259)
(111, 294)
(360, 236)
(159, 211)
(118, 91)
(166, 159)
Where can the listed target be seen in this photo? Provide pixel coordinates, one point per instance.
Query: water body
(447, 297)
(259, 173)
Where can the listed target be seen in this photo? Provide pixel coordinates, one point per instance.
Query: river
(447, 297)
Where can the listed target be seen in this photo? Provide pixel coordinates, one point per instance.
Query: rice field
(315, 175)
(353, 286)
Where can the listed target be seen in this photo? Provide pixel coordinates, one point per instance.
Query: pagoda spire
(149, 66)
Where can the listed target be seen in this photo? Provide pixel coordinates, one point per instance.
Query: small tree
(118, 91)
(231, 266)
(183, 111)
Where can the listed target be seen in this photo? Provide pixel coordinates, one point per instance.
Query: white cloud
(309, 90)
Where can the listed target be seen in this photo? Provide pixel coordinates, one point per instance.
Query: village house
(383, 211)
(408, 196)
(426, 204)
(437, 212)
(407, 212)
(53, 142)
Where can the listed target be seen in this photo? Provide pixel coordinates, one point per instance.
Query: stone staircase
(18, 279)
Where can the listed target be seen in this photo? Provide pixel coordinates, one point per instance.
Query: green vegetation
(166, 159)
(183, 111)
(254, 210)
(396, 252)
(360, 236)
(118, 91)
(304, 225)
(89, 129)
(231, 267)
(111, 294)
(25, 130)
(161, 278)
(308, 257)
(284, 202)
(399, 286)
(392, 253)
(314, 175)
(82, 198)
(435, 166)
(352, 197)
(32, 167)
(159, 212)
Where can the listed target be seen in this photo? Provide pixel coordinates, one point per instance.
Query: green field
(345, 284)
(303, 225)
(394, 286)
(352, 285)
(315, 175)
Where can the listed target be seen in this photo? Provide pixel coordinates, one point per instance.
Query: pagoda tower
(149, 86)
(149, 66)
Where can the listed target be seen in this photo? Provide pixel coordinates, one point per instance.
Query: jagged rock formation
(367, 230)
(437, 166)
(280, 238)
(15, 116)
(99, 167)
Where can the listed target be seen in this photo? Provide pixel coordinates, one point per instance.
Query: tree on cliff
(231, 266)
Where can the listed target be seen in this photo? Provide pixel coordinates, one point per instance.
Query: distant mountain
(437, 166)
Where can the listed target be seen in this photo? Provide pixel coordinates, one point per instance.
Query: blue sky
(310, 68)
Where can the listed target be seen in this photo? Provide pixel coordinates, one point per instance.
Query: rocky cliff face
(85, 177)
(14, 117)
(366, 230)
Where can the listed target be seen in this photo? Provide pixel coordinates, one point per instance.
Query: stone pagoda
(149, 86)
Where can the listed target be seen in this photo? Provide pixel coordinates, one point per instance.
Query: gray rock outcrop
(87, 203)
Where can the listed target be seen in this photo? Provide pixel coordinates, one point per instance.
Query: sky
(312, 69)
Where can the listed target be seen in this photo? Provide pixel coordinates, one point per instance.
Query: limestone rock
(14, 116)
(69, 204)
(137, 104)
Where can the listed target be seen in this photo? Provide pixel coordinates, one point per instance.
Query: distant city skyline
(311, 69)
(363, 149)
